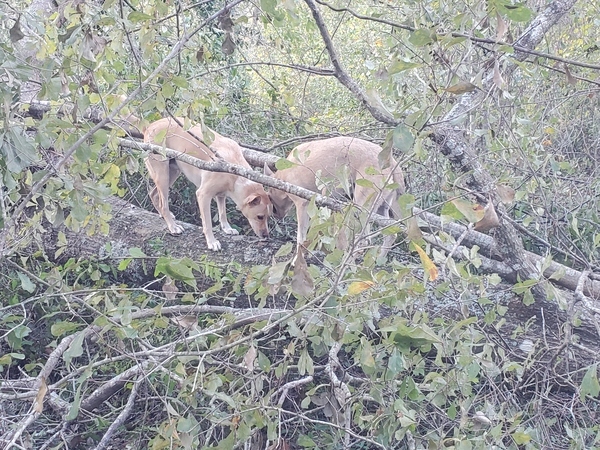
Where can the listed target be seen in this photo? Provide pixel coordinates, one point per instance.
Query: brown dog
(345, 159)
(249, 196)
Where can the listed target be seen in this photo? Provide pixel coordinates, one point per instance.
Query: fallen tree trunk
(561, 275)
(133, 227)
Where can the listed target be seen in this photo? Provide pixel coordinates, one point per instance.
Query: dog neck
(241, 188)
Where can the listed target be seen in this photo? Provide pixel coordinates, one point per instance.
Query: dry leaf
(506, 193)
(413, 232)
(250, 357)
(481, 418)
(356, 287)
(462, 87)
(200, 54)
(170, 289)
(302, 282)
(228, 46)
(501, 28)
(38, 403)
(570, 78)
(489, 220)
(225, 22)
(428, 264)
(185, 322)
(92, 45)
(15, 32)
(498, 80)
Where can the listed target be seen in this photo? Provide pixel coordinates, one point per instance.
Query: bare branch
(341, 74)
(122, 417)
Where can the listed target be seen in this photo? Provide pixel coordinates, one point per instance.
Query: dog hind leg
(164, 174)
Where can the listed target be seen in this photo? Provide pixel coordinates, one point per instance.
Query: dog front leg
(303, 224)
(225, 227)
(204, 206)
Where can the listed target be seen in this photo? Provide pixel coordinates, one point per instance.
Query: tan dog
(329, 158)
(249, 196)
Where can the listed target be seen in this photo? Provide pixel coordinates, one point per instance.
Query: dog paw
(229, 230)
(214, 245)
(175, 229)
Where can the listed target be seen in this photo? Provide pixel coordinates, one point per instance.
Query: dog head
(257, 209)
(281, 201)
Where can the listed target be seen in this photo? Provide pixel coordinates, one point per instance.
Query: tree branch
(341, 74)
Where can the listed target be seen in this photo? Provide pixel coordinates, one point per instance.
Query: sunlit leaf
(401, 66)
(356, 287)
(462, 87)
(428, 264)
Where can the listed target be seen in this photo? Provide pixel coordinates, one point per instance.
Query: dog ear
(253, 200)
(268, 171)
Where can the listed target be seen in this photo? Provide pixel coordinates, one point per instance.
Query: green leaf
(364, 183)
(405, 336)
(284, 164)
(136, 252)
(17, 149)
(178, 269)
(396, 362)
(75, 349)
(589, 384)
(451, 211)
(305, 363)
(180, 82)
(403, 138)
(521, 438)
(268, 6)
(285, 250)
(366, 356)
(138, 16)
(401, 66)
(226, 444)
(518, 12)
(26, 283)
(277, 272)
(59, 328)
(306, 441)
(7, 359)
(468, 210)
(421, 37)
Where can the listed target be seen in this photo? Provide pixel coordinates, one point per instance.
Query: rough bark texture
(135, 227)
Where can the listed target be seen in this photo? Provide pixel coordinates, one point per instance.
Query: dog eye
(260, 217)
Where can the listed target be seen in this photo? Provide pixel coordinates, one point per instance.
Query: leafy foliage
(347, 353)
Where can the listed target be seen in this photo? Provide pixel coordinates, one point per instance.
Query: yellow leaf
(462, 87)
(472, 212)
(428, 264)
(356, 287)
(38, 404)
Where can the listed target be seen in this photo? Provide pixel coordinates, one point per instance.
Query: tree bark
(133, 227)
